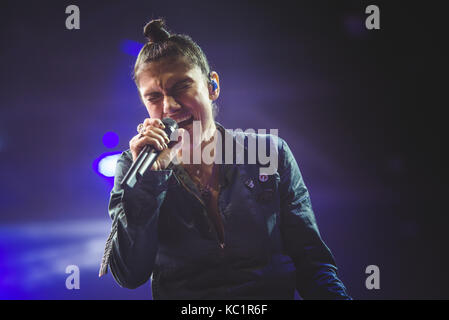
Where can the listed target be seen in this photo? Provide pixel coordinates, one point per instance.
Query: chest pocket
(264, 188)
(265, 196)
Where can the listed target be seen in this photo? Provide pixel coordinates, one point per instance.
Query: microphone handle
(147, 163)
(144, 161)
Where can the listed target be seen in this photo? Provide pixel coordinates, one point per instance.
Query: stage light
(110, 139)
(105, 164)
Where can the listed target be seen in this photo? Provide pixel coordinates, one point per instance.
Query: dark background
(362, 111)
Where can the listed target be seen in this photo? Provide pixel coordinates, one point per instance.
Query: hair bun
(155, 31)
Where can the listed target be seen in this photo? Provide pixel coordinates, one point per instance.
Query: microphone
(147, 157)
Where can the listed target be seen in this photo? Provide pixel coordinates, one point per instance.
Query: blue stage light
(110, 139)
(105, 164)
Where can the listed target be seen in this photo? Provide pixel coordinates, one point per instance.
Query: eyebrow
(176, 84)
(181, 82)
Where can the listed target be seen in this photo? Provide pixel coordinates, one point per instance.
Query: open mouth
(186, 122)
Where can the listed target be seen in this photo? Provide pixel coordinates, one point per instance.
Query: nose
(170, 105)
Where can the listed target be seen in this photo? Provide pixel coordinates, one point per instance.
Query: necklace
(205, 189)
(206, 193)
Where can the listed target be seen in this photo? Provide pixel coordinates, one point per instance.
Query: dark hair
(161, 44)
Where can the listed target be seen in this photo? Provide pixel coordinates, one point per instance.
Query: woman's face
(174, 88)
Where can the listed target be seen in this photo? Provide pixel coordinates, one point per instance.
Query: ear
(214, 93)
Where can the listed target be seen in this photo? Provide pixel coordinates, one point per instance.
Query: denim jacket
(272, 246)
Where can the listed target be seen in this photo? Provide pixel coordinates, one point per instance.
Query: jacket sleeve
(132, 244)
(316, 276)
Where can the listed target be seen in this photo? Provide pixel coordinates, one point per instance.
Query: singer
(203, 230)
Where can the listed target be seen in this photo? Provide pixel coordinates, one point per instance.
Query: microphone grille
(170, 125)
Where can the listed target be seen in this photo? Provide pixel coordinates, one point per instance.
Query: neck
(208, 134)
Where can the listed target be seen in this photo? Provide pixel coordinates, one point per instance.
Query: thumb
(181, 136)
(176, 141)
(181, 139)
(168, 155)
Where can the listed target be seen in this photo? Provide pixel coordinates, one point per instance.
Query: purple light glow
(110, 139)
(131, 47)
(34, 257)
(103, 172)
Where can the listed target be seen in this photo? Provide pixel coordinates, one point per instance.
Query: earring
(213, 84)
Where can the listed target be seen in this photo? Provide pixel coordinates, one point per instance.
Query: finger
(146, 122)
(160, 132)
(133, 141)
(135, 138)
(163, 161)
(155, 166)
(165, 158)
(182, 135)
(139, 141)
(132, 147)
(142, 142)
(159, 165)
(159, 137)
(155, 122)
(177, 147)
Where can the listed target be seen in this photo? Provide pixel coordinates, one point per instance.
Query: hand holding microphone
(151, 148)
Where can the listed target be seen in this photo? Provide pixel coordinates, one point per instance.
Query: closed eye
(180, 88)
(154, 97)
